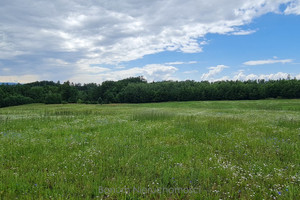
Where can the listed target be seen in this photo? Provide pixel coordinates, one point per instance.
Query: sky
(87, 41)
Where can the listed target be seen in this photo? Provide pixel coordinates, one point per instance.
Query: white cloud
(213, 71)
(191, 46)
(224, 78)
(242, 76)
(6, 69)
(152, 72)
(86, 32)
(120, 67)
(293, 8)
(264, 62)
(175, 63)
(191, 72)
(19, 79)
(181, 63)
(89, 69)
(244, 32)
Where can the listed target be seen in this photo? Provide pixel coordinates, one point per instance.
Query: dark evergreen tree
(137, 90)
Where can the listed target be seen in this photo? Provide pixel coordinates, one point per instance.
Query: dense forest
(137, 90)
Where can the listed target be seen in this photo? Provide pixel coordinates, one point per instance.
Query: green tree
(53, 98)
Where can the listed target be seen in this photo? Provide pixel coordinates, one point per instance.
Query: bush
(16, 100)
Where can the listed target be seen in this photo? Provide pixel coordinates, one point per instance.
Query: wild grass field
(175, 150)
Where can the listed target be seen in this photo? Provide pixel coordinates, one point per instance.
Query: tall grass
(190, 150)
(152, 115)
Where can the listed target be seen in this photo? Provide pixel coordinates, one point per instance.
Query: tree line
(138, 90)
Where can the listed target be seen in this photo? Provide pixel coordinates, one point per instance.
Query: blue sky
(84, 41)
(276, 37)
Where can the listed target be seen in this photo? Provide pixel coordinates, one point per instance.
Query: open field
(177, 150)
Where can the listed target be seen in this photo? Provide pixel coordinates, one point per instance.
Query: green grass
(176, 150)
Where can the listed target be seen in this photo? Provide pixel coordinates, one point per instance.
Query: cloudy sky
(92, 41)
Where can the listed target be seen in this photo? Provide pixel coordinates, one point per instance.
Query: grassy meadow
(174, 150)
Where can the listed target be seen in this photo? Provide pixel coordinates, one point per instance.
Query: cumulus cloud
(213, 71)
(78, 34)
(264, 62)
(224, 78)
(242, 76)
(293, 8)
